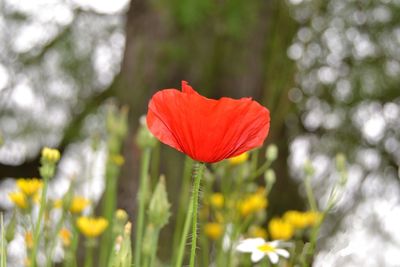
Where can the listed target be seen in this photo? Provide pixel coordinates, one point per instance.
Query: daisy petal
(257, 256)
(249, 245)
(284, 253)
(273, 257)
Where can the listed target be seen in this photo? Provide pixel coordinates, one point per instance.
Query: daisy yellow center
(266, 248)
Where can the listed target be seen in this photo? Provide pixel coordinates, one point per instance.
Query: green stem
(185, 232)
(53, 241)
(3, 255)
(155, 165)
(260, 170)
(199, 168)
(310, 195)
(254, 160)
(70, 260)
(183, 200)
(39, 221)
(154, 247)
(142, 194)
(109, 205)
(89, 253)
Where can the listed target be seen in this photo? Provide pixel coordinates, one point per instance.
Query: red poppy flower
(207, 130)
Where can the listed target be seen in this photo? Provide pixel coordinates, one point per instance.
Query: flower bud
(117, 121)
(49, 159)
(122, 255)
(147, 240)
(272, 152)
(340, 162)
(10, 229)
(159, 207)
(144, 137)
(121, 216)
(308, 168)
(50, 155)
(270, 179)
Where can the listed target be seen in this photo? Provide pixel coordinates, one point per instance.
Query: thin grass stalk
(70, 260)
(89, 253)
(142, 194)
(53, 241)
(3, 254)
(109, 206)
(42, 209)
(182, 209)
(310, 195)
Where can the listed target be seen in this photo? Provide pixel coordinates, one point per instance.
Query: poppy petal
(207, 130)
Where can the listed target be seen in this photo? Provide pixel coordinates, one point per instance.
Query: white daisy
(259, 248)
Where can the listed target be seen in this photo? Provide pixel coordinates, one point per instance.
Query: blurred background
(328, 70)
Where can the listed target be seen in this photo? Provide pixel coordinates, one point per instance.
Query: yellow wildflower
(78, 204)
(256, 231)
(29, 239)
(91, 227)
(253, 203)
(58, 204)
(19, 199)
(280, 229)
(51, 155)
(213, 230)
(117, 159)
(217, 200)
(36, 198)
(297, 219)
(29, 186)
(65, 236)
(313, 217)
(239, 159)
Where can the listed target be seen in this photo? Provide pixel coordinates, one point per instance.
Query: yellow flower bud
(29, 186)
(252, 204)
(50, 155)
(121, 215)
(239, 159)
(279, 229)
(217, 200)
(65, 236)
(296, 218)
(78, 204)
(213, 230)
(29, 239)
(313, 217)
(19, 199)
(91, 227)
